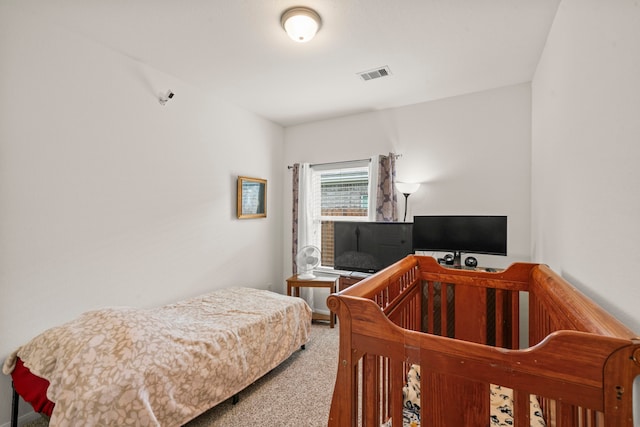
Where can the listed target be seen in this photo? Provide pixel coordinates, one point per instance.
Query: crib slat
(430, 307)
(384, 391)
(514, 318)
(430, 411)
(444, 324)
(397, 381)
(566, 415)
(471, 313)
(521, 410)
(500, 318)
(548, 410)
(370, 396)
(356, 397)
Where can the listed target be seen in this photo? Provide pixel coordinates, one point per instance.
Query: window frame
(320, 219)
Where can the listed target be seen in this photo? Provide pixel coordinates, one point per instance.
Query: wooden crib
(462, 328)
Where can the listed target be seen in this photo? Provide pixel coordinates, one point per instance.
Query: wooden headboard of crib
(463, 327)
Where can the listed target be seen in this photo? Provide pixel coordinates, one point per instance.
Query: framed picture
(252, 197)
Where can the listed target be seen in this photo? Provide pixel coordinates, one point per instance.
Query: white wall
(586, 152)
(586, 135)
(471, 152)
(109, 198)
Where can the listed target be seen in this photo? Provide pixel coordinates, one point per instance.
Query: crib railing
(554, 305)
(471, 320)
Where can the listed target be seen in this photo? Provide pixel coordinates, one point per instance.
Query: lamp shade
(407, 187)
(300, 23)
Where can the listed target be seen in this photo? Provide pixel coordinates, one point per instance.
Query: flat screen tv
(370, 246)
(459, 234)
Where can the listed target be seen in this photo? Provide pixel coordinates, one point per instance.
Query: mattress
(165, 365)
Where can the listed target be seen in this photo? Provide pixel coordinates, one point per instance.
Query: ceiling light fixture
(300, 23)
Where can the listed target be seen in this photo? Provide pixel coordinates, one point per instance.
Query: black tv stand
(457, 259)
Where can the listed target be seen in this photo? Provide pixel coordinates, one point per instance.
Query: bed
(159, 366)
(462, 329)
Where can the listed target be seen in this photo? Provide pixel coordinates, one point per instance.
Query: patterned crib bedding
(164, 365)
(501, 404)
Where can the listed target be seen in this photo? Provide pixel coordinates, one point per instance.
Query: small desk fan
(307, 259)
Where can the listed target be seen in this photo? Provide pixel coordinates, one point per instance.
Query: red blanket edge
(32, 388)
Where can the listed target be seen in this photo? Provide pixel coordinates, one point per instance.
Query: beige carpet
(296, 393)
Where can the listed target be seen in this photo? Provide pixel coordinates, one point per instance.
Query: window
(341, 192)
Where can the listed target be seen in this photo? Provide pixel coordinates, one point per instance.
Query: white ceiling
(237, 50)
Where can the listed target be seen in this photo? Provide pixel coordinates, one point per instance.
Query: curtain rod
(343, 161)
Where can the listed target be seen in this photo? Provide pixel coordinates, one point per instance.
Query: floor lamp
(407, 188)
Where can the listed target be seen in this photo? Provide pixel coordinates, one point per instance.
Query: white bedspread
(163, 366)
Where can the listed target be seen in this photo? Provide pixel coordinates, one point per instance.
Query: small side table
(293, 289)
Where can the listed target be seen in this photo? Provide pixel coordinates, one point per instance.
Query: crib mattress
(167, 365)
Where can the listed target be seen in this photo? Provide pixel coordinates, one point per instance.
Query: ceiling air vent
(375, 73)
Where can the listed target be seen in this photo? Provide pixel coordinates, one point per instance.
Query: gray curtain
(386, 199)
(294, 216)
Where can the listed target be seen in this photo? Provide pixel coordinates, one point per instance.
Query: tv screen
(468, 234)
(370, 246)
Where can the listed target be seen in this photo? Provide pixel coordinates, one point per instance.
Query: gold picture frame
(252, 197)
